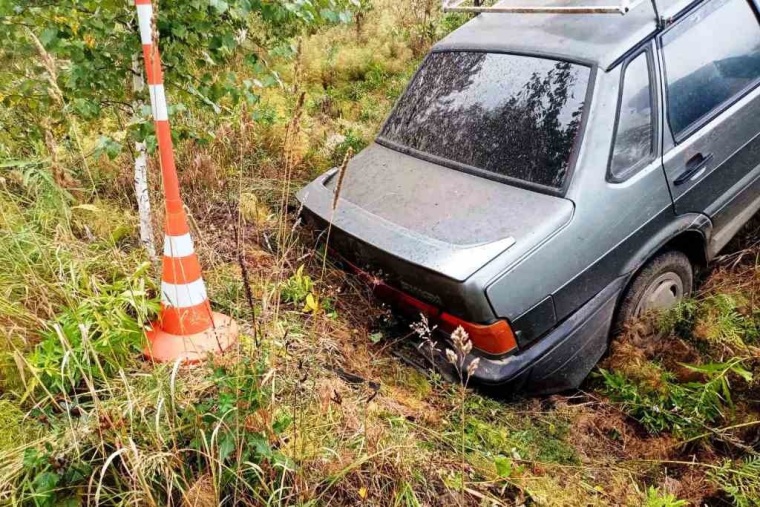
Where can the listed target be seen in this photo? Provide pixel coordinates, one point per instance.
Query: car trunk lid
(443, 220)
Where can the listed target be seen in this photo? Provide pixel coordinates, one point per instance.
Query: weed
(217, 428)
(352, 142)
(226, 283)
(545, 443)
(424, 332)
(238, 424)
(493, 430)
(49, 476)
(298, 288)
(741, 480)
(680, 319)
(405, 497)
(253, 211)
(96, 336)
(686, 409)
(14, 429)
(465, 368)
(657, 498)
(727, 319)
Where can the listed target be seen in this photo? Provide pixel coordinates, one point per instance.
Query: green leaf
(220, 5)
(742, 372)
(107, 146)
(260, 445)
(48, 36)
(77, 473)
(226, 446)
(87, 108)
(282, 423)
(32, 458)
(179, 31)
(44, 488)
(503, 466)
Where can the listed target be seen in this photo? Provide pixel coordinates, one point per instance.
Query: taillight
(496, 338)
(404, 301)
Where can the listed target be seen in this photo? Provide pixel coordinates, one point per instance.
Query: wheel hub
(663, 293)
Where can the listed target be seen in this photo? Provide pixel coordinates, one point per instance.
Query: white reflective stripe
(178, 246)
(158, 103)
(144, 19)
(183, 295)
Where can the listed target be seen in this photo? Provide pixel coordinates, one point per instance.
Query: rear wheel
(660, 285)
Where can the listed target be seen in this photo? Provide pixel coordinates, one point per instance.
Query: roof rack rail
(476, 7)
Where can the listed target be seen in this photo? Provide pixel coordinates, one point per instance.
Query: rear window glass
(509, 115)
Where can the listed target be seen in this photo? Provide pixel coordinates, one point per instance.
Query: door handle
(694, 167)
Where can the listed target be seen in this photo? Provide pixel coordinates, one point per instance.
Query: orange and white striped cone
(187, 329)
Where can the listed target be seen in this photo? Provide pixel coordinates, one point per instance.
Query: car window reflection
(511, 115)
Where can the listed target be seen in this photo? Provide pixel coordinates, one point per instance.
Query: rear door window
(711, 57)
(633, 144)
(510, 116)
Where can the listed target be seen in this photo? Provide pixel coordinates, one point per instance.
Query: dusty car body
(546, 177)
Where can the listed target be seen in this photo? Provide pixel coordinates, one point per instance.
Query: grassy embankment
(312, 407)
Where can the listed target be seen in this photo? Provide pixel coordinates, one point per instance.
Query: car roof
(596, 39)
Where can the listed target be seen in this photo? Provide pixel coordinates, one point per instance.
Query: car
(545, 178)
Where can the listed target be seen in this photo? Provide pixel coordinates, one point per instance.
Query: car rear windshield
(508, 115)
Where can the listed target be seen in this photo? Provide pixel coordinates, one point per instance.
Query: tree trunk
(141, 177)
(143, 199)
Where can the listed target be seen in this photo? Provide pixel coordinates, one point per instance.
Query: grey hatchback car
(546, 177)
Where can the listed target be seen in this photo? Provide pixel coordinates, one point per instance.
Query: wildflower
(473, 367)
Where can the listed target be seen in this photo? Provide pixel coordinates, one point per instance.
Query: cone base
(165, 347)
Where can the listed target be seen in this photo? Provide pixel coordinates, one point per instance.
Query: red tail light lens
(496, 338)
(405, 302)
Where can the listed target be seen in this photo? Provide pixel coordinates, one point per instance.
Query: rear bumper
(559, 361)
(466, 300)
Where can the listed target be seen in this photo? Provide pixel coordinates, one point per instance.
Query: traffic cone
(187, 329)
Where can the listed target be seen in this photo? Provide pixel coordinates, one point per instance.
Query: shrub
(657, 498)
(352, 140)
(298, 287)
(685, 409)
(728, 319)
(96, 335)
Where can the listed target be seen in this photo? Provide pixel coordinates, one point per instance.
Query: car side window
(633, 143)
(711, 57)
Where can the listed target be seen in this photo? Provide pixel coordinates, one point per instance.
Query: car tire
(663, 282)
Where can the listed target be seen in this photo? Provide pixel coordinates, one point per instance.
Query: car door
(710, 62)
